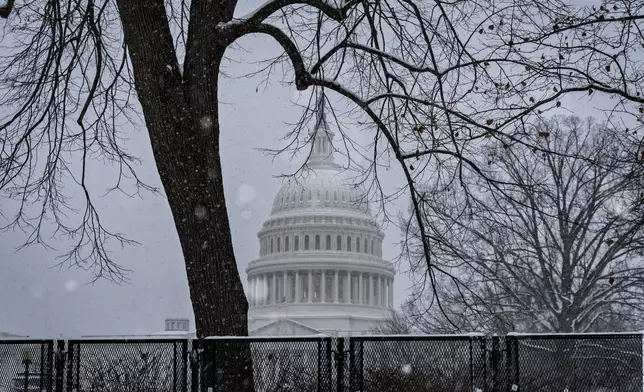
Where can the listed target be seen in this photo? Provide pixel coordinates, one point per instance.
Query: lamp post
(27, 357)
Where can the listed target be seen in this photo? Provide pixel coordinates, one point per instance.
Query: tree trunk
(181, 115)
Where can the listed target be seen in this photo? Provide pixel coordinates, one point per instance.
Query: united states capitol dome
(323, 186)
(320, 255)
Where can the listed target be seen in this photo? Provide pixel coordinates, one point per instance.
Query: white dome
(325, 188)
(320, 251)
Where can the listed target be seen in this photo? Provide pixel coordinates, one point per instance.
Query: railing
(401, 363)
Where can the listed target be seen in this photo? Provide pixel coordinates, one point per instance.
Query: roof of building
(286, 327)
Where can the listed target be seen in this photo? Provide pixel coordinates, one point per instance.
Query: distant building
(320, 269)
(177, 327)
(174, 327)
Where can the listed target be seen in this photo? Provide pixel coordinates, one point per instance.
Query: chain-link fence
(26, 365)
(593, 363)
(539, 363)
(419, 363)
(126, 365)
(279, 364)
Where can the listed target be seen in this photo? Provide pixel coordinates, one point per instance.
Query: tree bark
(182, 119)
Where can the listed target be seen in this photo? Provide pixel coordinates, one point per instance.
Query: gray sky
(38, 300)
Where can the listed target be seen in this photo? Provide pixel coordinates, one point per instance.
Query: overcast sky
(38, 300)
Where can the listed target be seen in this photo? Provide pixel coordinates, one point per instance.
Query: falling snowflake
(71, 285)
(212, 174)
(621, 208)
(201, 212)
(206, 123)
(245, 194)
(406, 369)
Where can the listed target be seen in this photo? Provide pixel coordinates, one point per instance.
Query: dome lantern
(321, 155)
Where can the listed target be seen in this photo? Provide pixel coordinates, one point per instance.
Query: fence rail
(539, 363)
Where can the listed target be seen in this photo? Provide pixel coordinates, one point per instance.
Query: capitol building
(320, 268)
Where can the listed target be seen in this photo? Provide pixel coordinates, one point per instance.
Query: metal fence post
(69, 362)
(194, 366)
(513, 348)
(59, 366)
(361, 365)
(496, 347)
(516, 361)
(50, 365)
(353, 372)
(328, 363)
(319, 383)
(184, 365)
(471, 366)
(486, 361)
(339, 364)
(174, 367)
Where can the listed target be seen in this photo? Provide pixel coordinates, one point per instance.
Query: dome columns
(307, 286)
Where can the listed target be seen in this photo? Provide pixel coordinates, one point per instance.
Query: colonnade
(321, 286)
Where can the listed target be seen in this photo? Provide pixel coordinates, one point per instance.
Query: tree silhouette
(559, 252)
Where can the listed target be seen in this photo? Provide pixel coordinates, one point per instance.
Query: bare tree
(141, 372)
(560, 251)
(398, 324)
(430, 80)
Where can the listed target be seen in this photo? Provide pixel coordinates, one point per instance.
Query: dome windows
(313, 241)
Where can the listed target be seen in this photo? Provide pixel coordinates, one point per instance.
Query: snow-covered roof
(136, 337)
(573, 334)
(6, 335)
(174, 333)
